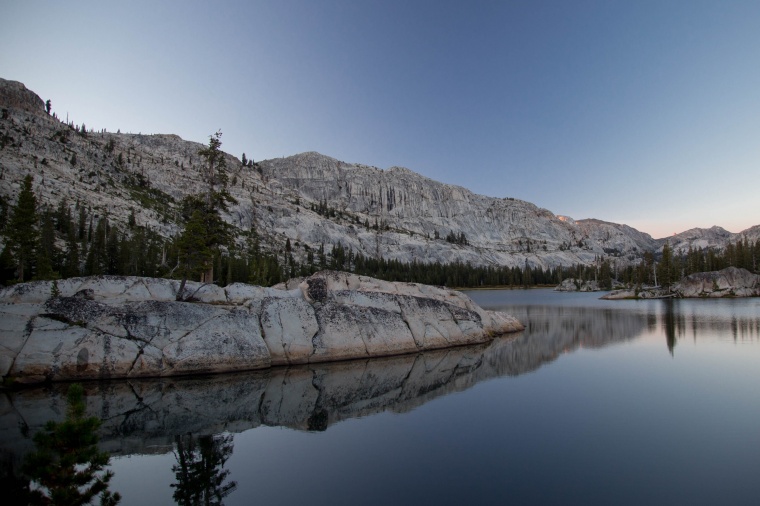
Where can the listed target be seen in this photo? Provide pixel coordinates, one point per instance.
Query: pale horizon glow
(643, 113)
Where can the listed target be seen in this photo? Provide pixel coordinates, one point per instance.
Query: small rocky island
(729, 282)
(122, 327)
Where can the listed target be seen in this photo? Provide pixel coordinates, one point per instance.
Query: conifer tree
(194, 254)
(71, 266)
(665, 269)
(23, 231)
(47, 255)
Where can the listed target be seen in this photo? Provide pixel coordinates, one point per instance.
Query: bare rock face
(127, 327)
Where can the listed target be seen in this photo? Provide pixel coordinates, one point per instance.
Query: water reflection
(672, 323)
(143, 416)
(65, 466)
(194, 418)
(199, 471)
(738, 320)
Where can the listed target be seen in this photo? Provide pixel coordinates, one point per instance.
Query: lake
(596, 402)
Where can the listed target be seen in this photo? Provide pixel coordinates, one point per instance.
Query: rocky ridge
(123, 327)
(393, 214)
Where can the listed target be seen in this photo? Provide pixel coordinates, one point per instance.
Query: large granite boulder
(729, 282)
(123, 327)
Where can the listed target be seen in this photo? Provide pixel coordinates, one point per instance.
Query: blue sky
(639, 112)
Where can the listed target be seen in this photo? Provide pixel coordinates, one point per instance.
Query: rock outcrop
(123, 327)
(14, 94)
(577, 285)
(729, 282)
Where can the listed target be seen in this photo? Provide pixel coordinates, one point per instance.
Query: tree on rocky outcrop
(214, 172)
(48, 105)
(23, 231)
(205, 231)
(194, 255)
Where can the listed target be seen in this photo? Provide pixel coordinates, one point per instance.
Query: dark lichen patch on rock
(317, 289)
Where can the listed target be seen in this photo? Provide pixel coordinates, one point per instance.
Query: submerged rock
(122, 327)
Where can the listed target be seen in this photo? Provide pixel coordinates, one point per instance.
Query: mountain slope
(307, 199)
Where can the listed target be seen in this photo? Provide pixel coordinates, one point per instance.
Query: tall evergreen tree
(202, 215)
(666, 268)
(47, 256)
(194, 254)
(23, 231)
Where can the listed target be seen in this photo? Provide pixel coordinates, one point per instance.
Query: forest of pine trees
(71, 239)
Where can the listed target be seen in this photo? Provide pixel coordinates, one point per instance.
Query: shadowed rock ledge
(125, 327)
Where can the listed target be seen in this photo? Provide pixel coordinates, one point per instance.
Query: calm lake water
(596, 402)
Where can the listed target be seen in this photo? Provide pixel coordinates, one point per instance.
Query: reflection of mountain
(144, 416)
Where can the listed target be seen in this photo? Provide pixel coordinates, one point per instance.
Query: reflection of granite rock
(553, 330)
(128, 327)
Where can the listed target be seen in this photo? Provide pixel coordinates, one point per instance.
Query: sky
(639, 112)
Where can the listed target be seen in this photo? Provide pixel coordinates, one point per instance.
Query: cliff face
(393, 214)
(411, 211)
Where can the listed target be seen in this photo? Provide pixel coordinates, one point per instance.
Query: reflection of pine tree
(67, 468)
(199, 469)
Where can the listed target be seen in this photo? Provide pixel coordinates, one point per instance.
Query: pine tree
(665, 269)
(217, 198)
(194, 254)
(71, 266)
(47, 256)
(23, 231)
